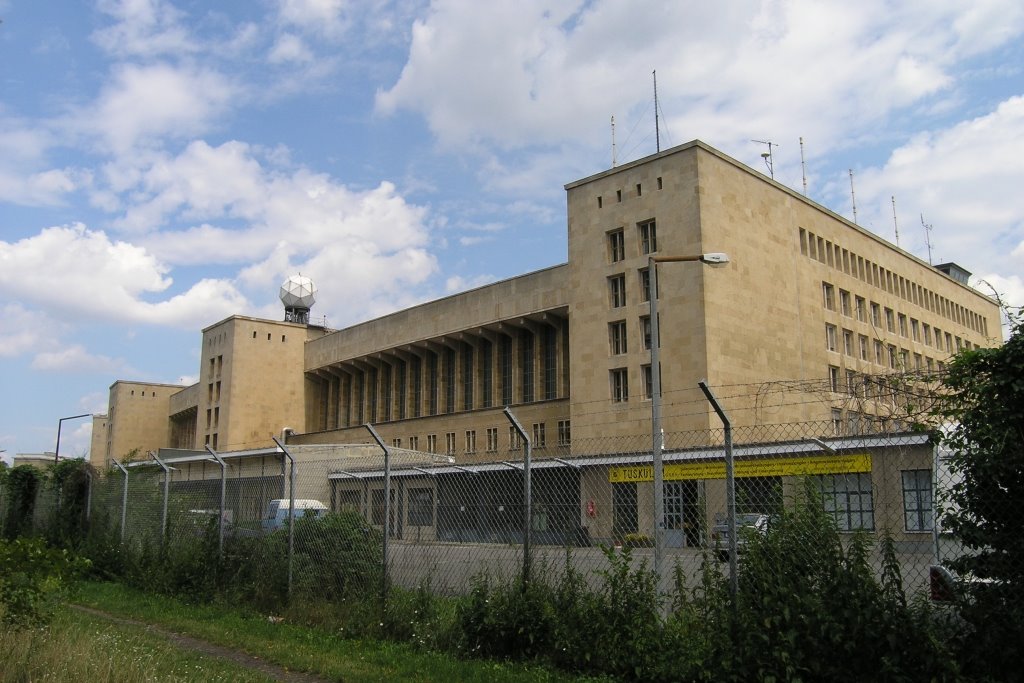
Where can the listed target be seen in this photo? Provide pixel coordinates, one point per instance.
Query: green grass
(78, 647)
(303, 648)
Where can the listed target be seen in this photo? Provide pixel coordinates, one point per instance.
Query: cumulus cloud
(83, 275)
(23, 330)
(76, 358)
(144, 104)
(527, 75)
(964, 180)
(289, 48)
(323, 16)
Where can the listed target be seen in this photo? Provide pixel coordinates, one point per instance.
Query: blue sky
(164, 165)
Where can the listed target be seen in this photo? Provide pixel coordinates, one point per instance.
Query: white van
(277, 512)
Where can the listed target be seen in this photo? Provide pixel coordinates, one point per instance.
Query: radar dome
(298, 294)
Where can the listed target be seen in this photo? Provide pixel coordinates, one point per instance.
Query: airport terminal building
(809, 301)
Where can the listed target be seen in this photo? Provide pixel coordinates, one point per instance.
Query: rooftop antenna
(767, 156)
(895, 225)
(803, 166)
(927, 238)
(657, 131)
(613, 141)
(853, 197)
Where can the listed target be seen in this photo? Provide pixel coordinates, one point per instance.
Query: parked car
(747, 525)
(277, 512)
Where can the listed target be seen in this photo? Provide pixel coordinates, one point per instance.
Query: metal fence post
(124, 497)
(223, 492)
(291, 510)
(167, 480)
(387, 510)
(527, 495)
(730, 489)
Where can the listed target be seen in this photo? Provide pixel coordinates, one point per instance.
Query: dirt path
(274, 671)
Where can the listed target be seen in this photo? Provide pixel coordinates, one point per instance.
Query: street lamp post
(60, 423)
(657, 438)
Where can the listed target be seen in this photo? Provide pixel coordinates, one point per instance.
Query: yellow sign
(773, 467)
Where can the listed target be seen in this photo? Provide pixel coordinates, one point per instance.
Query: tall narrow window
(645, 284)
(487, 372)
(526, 364)
(828, 294)
(432, 384)
(449, 383)
(619, 385)
(617, 290)
(467, 377)
(539, 436)
(550, 363)
(505, 363)
(617, 337)
(417, 386)
(648, 237)
(400, 373)
(616, 246)
(564, 433)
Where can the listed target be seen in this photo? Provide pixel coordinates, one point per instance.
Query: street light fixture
(60, 423)
(657, 437)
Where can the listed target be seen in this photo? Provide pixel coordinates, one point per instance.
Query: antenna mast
(613, 141)
(769, 160)
(853, 197)
(657, 130)
(927, 237)
(803, 166)
(895, 225)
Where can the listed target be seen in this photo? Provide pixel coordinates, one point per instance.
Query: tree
(984, 401)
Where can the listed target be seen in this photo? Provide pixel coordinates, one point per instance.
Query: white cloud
(143, 28)
(966, 182)
(143, 105)
(81, 274)
(76, 359)
(322, 16)
(23, 330)
(524, 75)
(289, 48)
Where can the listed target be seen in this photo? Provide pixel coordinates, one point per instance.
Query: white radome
(298, 291)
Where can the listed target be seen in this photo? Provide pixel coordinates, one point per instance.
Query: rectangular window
(539, 436)
(417, 386)
(837, 422)
(617, 337)
(903, 324)
(833, 379)
(449, 439)
(432, 383)
(550, 369)
(876, 314)
(526, 364)
(847, 497)
(862, 312)
(879, 353)
(915, 330)
(505, 366)
(862, 340)
(645, 331)
(624, 509)
(515, 442)
(402, 389)
(848, 342)
(492, 439)
(467, 377)
(828, 293)
(927, 334)
(830, 337)
(449, 380)
(564, 433)
(397, 442)
(844, 303)
(894, 360)
(421, 507)
(648, 382)
(616, 246)
(487, 372)
(890, 321)
(645, 284)
(377, 507)
(431, 443)
(648, 237)
(471, 441)
(617, 290)
(619, 385)
(414, 443)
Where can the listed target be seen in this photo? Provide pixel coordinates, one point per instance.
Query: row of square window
(856, 266)
(515, 442)
(883, 354)
(858, 308)
(618, 193)
(647, 240)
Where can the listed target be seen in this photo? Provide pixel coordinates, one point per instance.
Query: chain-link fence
(442, 523)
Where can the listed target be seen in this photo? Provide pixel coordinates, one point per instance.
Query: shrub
(33, 579)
